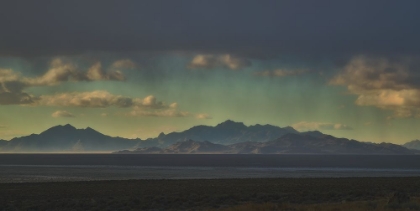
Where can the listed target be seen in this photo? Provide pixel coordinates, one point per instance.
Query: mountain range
(290, 143)
(228, 132)
(67, 138)
(226, 137)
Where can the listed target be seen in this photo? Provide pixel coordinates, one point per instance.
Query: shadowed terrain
(206, 194)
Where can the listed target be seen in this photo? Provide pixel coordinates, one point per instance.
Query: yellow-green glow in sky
(124, 97)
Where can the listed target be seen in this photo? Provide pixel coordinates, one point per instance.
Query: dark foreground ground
(215, 194)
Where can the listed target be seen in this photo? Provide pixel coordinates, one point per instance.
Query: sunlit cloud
(150, 101)
(61, 71)
(280, 73)
(209, 61)
(123, 64)
(203, 116)
(383, 84)
(58, 114)
(158, 113)
(7, 75)
(309, 126)
(96, 73)
(148, 106)
(13, 84)
(98, 99)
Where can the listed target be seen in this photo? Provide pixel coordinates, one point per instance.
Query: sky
(138, 68)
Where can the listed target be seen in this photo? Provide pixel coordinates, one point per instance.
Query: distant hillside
(287, 144)
(413, 145)
(301, 143)
(228, 132)
(67, 139)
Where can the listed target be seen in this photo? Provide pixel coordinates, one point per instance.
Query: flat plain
(208, 182)
(214, 194)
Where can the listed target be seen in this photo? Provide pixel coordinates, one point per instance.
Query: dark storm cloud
(254, 28)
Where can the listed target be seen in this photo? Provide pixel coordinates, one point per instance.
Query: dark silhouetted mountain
(287, 144)
(228, 132)
(3, 142)
(314, 133)
(68, 138)
(413, 145)
(226, 137)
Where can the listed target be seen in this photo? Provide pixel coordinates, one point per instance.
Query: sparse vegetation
(375, 205)
(222, 194)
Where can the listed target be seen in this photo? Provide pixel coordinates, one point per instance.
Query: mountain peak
(162, 134)
(89, 129)
(59, 129)
(65, 127)
(291, 129)
(314, 133)
(230, 123)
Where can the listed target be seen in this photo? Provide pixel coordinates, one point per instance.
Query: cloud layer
(61, 71)
(210, 61)
(13, 84)
(161, 113)
(333, 28)
(310, 126)
(59, 114)
(383, 83)
(203, 116)
(148, 106)
(124, 64)
(98, 99)
(279, 73)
